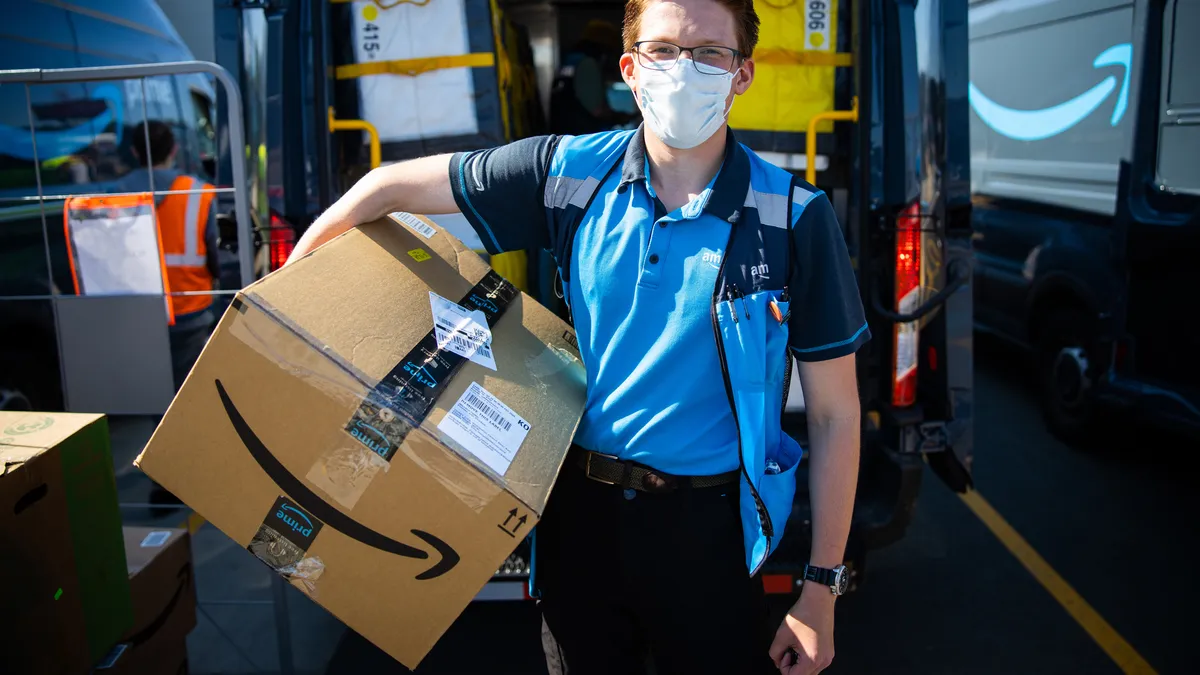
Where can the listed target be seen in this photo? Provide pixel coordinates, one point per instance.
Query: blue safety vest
(752, 344)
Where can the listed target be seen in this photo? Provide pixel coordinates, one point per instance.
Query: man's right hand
(417, 186)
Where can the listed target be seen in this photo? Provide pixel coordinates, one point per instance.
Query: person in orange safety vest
(188, 233)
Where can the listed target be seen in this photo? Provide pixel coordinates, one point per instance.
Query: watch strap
(820, 575)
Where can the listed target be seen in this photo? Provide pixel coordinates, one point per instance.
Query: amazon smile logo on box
(268, 544)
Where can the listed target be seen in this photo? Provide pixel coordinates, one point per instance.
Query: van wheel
(1066, 370)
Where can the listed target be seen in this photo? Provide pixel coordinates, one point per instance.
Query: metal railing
(245, 239)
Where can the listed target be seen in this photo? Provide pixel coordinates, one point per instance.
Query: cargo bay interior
(535, 81)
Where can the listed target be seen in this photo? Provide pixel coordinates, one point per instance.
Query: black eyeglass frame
(738, 57)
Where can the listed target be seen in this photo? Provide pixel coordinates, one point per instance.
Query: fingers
(794, 662)
(791, 660)
(779, 647)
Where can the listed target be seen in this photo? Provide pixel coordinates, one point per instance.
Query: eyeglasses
(708, 59)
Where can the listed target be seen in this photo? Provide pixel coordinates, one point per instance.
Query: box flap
(311, 294)
(41, 430)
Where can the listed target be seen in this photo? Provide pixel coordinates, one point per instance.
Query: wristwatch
(837, 579)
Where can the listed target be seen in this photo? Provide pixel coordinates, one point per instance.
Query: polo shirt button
(653, 258)
(662, 224)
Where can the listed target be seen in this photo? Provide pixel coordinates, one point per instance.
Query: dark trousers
(658, 578)
(188, 337)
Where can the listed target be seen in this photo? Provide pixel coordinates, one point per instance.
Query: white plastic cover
(430, 105)
(116, 251)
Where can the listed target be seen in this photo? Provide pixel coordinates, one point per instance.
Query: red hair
(745, 21)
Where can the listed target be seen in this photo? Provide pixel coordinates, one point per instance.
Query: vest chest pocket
(755, 339)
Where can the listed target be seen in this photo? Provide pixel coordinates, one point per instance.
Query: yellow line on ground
(1120, 651)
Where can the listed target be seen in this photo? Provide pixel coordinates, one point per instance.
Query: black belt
(624, 473)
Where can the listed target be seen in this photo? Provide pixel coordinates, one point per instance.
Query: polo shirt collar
(728, 192)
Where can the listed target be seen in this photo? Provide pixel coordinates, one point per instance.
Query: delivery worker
(694, 271)
(188, 234)
(579, 95)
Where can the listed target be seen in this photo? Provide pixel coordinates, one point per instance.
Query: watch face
(842, 580)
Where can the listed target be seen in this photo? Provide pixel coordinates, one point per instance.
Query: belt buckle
(587, 470)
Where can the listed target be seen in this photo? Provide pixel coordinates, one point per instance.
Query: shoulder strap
(584, 195)
(791, 204)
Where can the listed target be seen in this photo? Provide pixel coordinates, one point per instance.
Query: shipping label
(462, 331)
(486, 428)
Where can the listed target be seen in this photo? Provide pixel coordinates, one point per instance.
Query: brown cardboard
(66, 596)
(395, 549)
(164, 603)
(161, 584)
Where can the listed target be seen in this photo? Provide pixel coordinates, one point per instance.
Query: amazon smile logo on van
(1040, 124)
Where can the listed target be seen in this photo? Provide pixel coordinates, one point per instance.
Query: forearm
(418, 186)
(832, 478)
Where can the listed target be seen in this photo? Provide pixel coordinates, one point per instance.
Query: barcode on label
(416, 224)
(464, 343)
(491, 413)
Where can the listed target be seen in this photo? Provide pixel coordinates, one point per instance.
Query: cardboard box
(163, 589)
(65, 594)
(386, 477)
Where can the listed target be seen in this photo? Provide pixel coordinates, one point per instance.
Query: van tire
(1066, 369)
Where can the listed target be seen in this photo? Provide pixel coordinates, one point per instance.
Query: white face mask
(683, 106)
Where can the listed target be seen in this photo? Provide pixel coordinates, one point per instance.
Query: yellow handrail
(810, 149)
(360, 125)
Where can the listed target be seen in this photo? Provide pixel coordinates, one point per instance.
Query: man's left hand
(803, 644)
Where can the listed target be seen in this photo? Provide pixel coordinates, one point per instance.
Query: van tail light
(908, 298)
(282, 241)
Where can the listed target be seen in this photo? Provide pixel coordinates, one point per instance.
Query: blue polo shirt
(641, 287)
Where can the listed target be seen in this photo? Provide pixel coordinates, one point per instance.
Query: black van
(1086, 190)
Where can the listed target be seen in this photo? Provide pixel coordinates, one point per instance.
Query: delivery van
(1085, 154)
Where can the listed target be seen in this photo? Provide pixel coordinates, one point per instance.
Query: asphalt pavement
(1110, 524)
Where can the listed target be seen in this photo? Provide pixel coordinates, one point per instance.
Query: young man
(679, 250)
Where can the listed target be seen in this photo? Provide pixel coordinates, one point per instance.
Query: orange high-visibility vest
(182, 219)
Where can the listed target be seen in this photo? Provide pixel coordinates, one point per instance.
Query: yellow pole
(360, 125)
(810, 159)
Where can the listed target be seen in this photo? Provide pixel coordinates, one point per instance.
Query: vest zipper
(764, 518)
